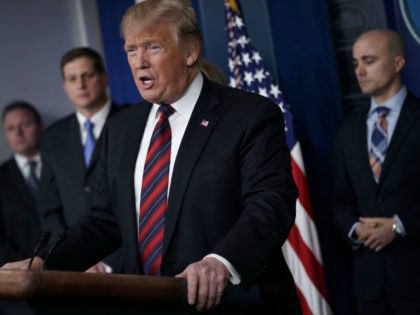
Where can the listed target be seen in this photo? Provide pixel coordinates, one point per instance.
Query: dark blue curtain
(123, 89)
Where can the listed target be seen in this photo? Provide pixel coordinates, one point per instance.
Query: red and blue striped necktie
(154, 194)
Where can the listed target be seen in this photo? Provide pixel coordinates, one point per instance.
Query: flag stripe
(317, 304)
(308, 231)
(300, 181)
(312, 266)
(304, 304)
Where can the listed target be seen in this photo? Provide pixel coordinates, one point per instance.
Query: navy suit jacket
(19, 223)
(232, 193)
(66, 183)
(356, 194)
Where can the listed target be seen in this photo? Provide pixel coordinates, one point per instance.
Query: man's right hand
(23, 264)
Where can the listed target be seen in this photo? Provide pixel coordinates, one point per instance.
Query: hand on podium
(24, 264)
(206, 280)
(100, 267)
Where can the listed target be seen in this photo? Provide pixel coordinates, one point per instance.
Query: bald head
(392, 41)
(378, 58)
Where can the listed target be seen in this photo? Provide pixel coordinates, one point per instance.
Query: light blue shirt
(394, 104)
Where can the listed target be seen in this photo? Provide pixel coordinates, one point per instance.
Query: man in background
(376, 183)
(19, 223)
(71, 146)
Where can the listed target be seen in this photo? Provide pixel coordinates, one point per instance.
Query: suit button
(87, 189)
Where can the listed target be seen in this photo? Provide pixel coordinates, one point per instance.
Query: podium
(65, 292)
(62, 292)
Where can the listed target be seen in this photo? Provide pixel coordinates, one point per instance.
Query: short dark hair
(22, 105)
(83, 52)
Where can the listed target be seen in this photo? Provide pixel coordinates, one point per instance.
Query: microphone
(59, 239)
(42, 241)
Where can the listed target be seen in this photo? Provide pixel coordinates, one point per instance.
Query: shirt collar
(185, 105)
(99, 118)
(22, 161)
(394, 103)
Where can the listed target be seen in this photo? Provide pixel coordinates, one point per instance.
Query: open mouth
(146, 82)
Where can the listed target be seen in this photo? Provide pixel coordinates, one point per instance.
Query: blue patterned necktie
(90, 142)
(379, 142)
(154, 191)
(32, 180)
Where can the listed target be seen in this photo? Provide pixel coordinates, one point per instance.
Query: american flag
(301, 250)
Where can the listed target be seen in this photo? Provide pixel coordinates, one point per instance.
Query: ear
(193, 52)
(399, 63)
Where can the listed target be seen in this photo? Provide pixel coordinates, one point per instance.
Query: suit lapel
(95, 155)
(131, 147)
(202, 122)
(75, 147)
(405, 123)
(359, 152)
(18, 181)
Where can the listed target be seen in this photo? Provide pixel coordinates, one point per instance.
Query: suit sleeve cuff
(352, 234)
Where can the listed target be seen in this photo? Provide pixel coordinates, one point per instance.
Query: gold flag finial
(233, 5)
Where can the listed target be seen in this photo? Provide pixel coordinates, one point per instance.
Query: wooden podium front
(79, 293)
(59, 292)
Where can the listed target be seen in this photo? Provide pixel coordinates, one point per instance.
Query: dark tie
(379, 142)
(154, 191)
(90, 142)
(32, 180)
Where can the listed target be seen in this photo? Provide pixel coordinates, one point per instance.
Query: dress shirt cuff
(108, 269)
(234, 278)
(352, 234)
(400, 225)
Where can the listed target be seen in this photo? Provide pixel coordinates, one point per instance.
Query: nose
(359, 70)
(81, 81)
(141, 60)
(19, 130)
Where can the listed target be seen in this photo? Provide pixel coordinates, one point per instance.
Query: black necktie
(32, 180)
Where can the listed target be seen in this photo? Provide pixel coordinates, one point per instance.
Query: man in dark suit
(19, 223)
(67, 178)
(231, 196)
(376, 187)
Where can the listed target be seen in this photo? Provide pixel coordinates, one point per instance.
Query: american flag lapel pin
(204, 123)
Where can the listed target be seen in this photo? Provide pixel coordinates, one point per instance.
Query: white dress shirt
(98, 120)
(23, 164)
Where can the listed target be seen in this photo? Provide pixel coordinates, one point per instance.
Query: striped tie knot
(382, 111)
(165, 111)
